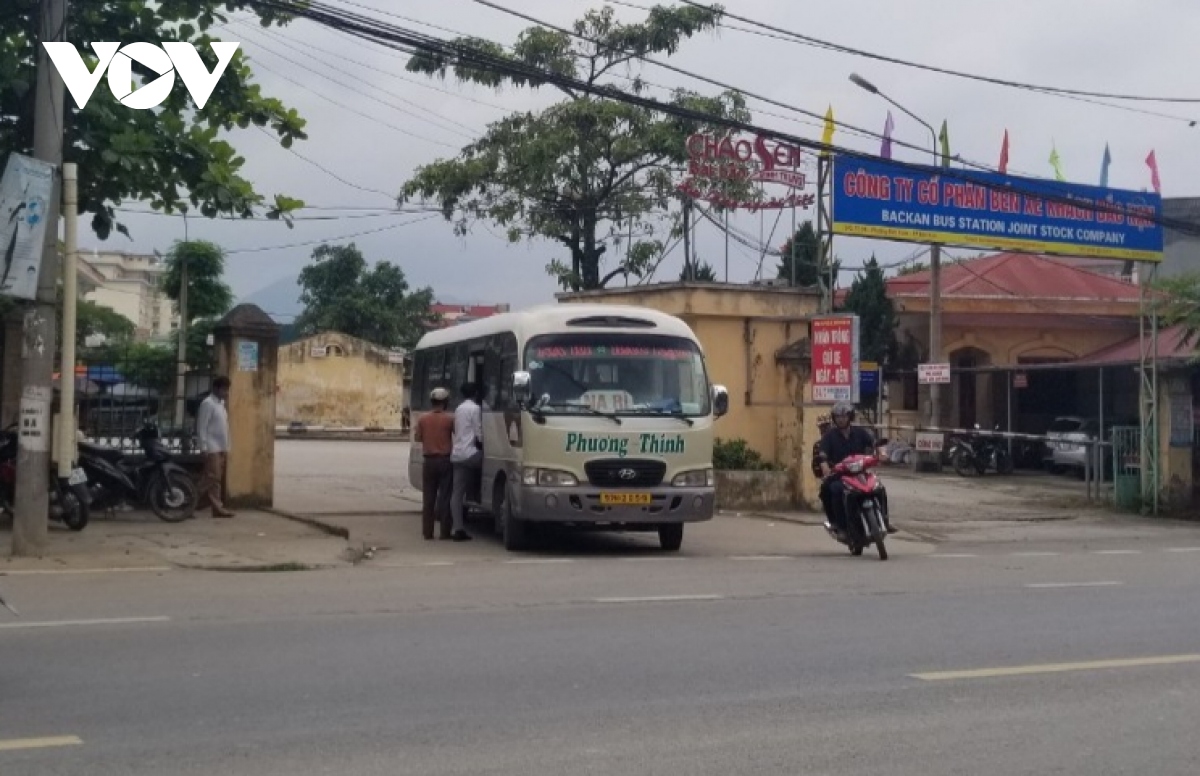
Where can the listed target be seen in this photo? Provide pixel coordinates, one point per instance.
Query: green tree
(584, 172)
(913, 269)
(208, 294)
(1179, 304)
(340, 293)
(810, 270)
(868, 299)
(175, 157)
(93, 320)
(703, 273)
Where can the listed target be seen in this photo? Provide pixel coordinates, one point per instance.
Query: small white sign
(930, 443)
(247, 356)
(933, 374)
(34, 423)
(318, 351)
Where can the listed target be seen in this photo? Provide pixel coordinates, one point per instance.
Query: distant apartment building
(454, 314)
(131, 284)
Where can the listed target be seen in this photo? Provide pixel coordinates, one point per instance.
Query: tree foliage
(208, 294)
(703, 273)
(868, 299)
(173, 157)
(92, 320)
(1179, 304)
(340, 293)
(587, 173)
(810, 269)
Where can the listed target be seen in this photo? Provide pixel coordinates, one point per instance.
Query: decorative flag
(1056, 163)
(888, 126)
(827, 138)
(1104, 165)
(1004, 155)
(1155, 181)
(945, 138)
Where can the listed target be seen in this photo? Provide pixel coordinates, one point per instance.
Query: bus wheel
(514, 531)
(670, 536)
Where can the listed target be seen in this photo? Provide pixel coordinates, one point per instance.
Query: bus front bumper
(592, 506)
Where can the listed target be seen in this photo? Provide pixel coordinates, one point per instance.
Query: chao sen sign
(716, 161)
(890, 201)
(835, 358)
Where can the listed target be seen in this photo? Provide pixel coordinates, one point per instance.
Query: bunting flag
(1104, 165)
(1004, 155)
(1155, 181)
(945, 138)
(827, 138)
(886, 150)
(1056, 163)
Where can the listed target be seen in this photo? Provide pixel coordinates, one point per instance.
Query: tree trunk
(591, 256)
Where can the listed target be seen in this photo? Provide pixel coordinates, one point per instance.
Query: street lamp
(935, 262)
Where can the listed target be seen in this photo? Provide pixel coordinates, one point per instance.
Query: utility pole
(181, 357)
(66, 380)
(37, 368)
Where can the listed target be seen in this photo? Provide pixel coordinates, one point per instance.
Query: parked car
(1067, 450)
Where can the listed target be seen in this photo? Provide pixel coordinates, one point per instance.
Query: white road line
(31, 572)
(1035, 554)
(760, 557)
(1117, 552)
(18, 744)
(1050, 585)
(80, 623)
(537, 561)
(951, 555)
(1182, 549)
(1054, 668)
(651, 559)
(657, 599)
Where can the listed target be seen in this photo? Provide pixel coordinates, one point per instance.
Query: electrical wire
(330, 239)
(331, 173)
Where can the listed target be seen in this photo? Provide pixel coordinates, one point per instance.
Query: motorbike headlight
(549, 478)
(855, 468)
(697, 478)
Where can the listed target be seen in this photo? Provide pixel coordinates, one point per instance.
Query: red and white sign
(1020, 380)
(835, 360)
(929, 442)
(933, 374)
(714, 160)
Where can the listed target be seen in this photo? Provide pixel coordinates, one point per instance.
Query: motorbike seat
(101, 451)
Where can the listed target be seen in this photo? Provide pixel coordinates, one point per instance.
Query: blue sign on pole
(892, 201)
(868, 379)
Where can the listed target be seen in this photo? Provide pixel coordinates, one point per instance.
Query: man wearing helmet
(839, 443)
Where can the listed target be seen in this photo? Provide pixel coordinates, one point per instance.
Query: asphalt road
(592, 663)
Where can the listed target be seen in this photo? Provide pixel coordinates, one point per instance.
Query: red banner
(835, 358)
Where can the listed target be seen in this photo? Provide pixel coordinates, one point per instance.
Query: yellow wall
(358, 388)
(741, 328)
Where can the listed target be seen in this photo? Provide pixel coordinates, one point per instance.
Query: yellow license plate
(625, 499)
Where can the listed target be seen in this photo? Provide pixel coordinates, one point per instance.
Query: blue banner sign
(868, 378)
(890, 201)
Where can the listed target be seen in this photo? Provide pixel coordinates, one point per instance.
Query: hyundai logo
(627, 474)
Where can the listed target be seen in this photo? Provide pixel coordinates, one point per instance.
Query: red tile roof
(1017, 275)
(1171, 347)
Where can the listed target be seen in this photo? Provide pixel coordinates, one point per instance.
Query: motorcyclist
(839, 443)
(824, 423)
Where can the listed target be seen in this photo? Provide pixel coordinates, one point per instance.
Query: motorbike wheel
(1004, 463)
(856, 549)
(173, 497)
(963, 465)
(75, 511)
(879, 545)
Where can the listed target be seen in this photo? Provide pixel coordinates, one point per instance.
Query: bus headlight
(548, 478)
(697, 478)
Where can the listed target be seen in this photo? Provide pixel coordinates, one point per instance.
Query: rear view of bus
(616, 425)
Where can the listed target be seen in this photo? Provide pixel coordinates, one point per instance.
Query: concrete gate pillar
(11, 366)
(246, 343)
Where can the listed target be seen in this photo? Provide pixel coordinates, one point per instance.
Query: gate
(1127, 467)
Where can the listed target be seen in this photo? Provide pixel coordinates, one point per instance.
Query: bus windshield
(625, 374)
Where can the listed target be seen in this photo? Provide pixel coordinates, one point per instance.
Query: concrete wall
(353, 385)
(750, 491)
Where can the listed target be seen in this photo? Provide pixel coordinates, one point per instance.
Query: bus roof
(552, 318)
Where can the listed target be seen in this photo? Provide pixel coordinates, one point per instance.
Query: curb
(257, 568)
(345, 436)
(312, 522)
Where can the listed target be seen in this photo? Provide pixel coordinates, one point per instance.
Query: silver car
(1067, 448)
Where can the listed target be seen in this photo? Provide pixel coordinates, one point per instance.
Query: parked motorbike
(152, 480)
(69, 499)
(864, 505)
(979, 452)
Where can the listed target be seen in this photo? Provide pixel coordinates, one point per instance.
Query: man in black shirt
(841, 442)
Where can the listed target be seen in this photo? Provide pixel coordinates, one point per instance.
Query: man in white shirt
(467, 457)
(212, 430)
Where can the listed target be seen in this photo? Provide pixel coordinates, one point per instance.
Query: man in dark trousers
(842, 441)
(435, 434)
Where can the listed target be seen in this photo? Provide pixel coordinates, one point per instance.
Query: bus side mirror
(720, 401)
(522, 388)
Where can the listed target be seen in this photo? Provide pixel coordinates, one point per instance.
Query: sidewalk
(252, 541)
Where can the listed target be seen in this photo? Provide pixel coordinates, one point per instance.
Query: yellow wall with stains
(354, 385)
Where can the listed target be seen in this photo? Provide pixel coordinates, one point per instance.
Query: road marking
(538, 561)
(1035, 554)
(1117, 552)
(30, 572)
(17, 744)
(76, 623)
(1055, 668)
(1049, 585)
(760, 557)
(951, 555)
(1183, 549)
(651, 559)
(648, 599)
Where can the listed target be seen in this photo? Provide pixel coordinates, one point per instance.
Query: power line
(944, 71)
(331, 239)
(331, 173)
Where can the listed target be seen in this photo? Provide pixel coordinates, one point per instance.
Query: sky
(371, 123)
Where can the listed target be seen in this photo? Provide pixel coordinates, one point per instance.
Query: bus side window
(504, 350)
